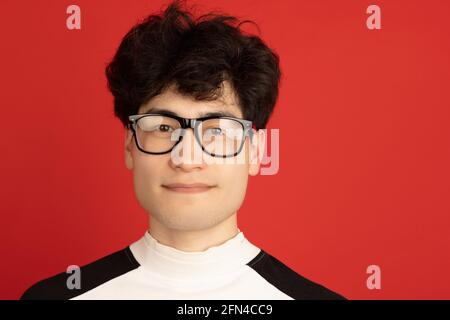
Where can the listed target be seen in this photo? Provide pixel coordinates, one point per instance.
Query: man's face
(199, 210)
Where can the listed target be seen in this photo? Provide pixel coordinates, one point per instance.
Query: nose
(187, 154)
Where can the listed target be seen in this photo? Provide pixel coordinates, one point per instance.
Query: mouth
(188, 188)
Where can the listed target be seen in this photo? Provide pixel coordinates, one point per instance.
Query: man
(185, 88)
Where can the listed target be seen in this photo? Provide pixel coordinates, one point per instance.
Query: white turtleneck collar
(176, 264)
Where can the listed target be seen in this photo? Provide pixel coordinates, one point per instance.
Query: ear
(128, 147)
(257, 149)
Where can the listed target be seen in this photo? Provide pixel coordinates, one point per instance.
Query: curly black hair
(197, 56)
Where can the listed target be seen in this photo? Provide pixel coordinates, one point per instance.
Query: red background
(364, 151)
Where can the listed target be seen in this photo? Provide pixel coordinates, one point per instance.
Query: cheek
(245, 154)
(147, 177)
(234, 180)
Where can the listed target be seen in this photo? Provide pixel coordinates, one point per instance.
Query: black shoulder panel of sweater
(92, 275)
(288, 281)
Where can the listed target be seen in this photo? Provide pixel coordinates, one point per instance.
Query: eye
(164, 128)
(215, 131)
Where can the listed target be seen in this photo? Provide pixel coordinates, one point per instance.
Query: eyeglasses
(156, 133)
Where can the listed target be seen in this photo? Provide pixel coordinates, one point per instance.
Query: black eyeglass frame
(186, 123)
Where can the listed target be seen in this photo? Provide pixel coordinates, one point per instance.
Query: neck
(194, 240)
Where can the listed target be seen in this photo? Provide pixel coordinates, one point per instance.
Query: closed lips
(184, 185)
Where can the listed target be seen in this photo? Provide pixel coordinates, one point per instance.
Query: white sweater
(147, 269)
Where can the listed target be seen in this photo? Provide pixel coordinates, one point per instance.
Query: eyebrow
(201, 115)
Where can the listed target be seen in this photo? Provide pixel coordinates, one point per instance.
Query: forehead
(188, 107)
